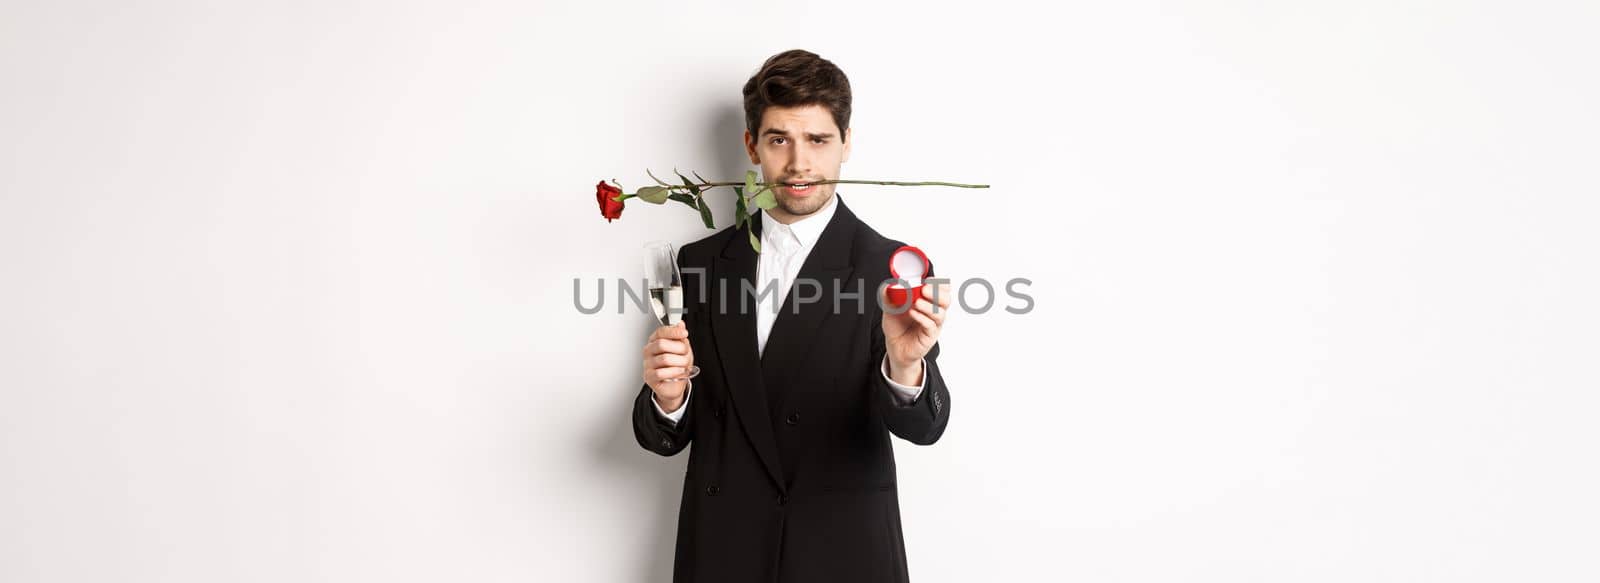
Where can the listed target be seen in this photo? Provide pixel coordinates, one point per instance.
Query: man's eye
(776, 140)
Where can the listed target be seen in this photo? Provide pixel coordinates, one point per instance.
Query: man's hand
(909, 335)
(667, 355)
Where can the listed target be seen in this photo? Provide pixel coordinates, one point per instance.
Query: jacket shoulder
(872, 249)
(700, 251)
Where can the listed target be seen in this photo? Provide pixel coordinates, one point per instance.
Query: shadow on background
(658, 479)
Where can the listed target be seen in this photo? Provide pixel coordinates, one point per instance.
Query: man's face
(796, 145)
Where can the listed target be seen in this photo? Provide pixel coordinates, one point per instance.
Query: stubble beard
(805, 206)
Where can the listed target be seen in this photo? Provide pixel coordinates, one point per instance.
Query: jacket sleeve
(656, 433)
(923, 420)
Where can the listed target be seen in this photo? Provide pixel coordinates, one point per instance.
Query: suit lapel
(794, 330)
(734, 330)
(748, 371)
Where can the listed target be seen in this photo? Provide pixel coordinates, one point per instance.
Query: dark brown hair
(797, 78)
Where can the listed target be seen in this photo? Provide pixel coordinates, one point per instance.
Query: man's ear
(750, 149)
(847, 141)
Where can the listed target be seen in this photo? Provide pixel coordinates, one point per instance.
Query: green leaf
(741, 213)
(750, 181)
(765, 199)
(683, 198)
(705, 213)
(686, 182)
(754, 244)
(653, 194)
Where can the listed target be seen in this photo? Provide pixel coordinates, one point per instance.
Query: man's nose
(799, 164)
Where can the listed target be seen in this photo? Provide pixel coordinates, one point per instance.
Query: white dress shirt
(784, 249)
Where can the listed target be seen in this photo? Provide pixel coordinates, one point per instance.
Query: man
(792, 474)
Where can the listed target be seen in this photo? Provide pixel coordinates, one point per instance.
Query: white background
(286, 287)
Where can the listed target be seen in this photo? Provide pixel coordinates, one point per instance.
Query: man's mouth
(800, 188)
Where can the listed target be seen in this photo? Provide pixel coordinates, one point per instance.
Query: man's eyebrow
(785, 133)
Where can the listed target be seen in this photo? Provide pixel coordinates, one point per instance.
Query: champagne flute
(666, 288)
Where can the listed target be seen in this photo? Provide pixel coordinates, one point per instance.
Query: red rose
(604, 193)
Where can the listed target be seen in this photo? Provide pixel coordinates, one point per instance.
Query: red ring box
(911, 265)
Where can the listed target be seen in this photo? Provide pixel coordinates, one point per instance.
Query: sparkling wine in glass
(666, 287)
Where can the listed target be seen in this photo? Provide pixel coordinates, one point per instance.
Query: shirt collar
(807, 230)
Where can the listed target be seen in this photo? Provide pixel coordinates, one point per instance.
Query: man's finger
(673, 346)
(927, 323)
(668, 359)
(676, 331)
(944, 294)
(665, 374)
(926, 307)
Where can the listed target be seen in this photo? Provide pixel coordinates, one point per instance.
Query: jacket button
(783, 499)
(794, 418)
(712, 490)
(718, 413)
(666, 443)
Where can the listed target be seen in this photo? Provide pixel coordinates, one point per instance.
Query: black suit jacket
(791, 476)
